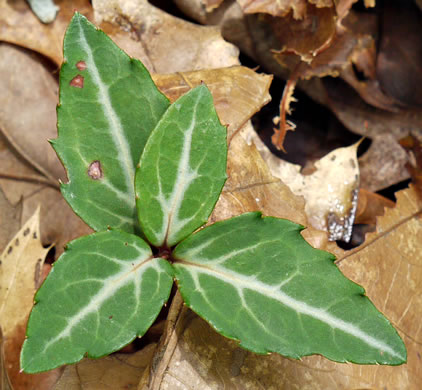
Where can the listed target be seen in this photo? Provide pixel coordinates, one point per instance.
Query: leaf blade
(105, 290)
(186, 156)
(108, 107)
(255, 293)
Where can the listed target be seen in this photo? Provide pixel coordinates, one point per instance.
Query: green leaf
(182, 169)
(108, 108)
(256, 280)
(106, 289)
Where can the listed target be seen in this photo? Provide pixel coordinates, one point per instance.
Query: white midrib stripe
(110, 286)
(115, 126)
(184, 177)
(241, 282)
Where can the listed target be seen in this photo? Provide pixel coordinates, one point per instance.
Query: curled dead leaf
(20, 271)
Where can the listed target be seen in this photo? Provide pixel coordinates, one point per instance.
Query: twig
(33, 179)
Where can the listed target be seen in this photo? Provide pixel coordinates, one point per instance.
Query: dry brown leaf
(168, 40)
(330, 190)
(211, 4)
(369, 121)
(282, 7)
(205, 360)
(388, 265)
(17, 177)
(28, 109)
(114, 372)
(275, 8)
(370, 206)
(20, 275)
(383, 164)
(21, 27)
(413, 146)
(29, 167)
(252, 187)
(4, 380)
(309, 35)
(238, 92)
(60, 224)
(20, 182)
(10, 219)
(400, 52)
(198, 6)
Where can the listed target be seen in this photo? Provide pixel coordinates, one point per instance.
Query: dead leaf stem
(380, 235)
(249, 186)
(33, 179)
(27, 158)
(166, 346)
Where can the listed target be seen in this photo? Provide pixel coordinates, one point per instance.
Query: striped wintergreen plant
(145, 175)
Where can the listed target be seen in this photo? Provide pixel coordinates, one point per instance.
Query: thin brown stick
(23, 154)
(381, 235)
(33, 179)
(153, 376)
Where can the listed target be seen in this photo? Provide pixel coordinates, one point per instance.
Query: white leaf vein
(241, 282)
(128, 273)
(115, 126)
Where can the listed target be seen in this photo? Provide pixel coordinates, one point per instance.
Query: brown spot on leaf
(94, 171)
(9, 251)
(77, 81)
(26, 232)
(17, 242)
(81, 65)
(34, 236)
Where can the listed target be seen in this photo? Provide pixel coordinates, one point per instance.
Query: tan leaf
(388, 264)
(168, 40)
(30, 86)
(23, 28)
(60, 223)
(252, 187)
(4, 380)
(17, 177)
(366, 120)
(305, 37)
(21, 265)
(211, 4)
(383, 164)
(238, 92)
(114, 372)
(370, 206)
(330, 190)
(29, 167)
(281, 7)
(10, 217)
